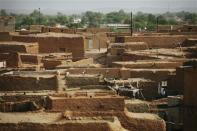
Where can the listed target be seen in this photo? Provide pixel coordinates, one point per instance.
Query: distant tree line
(95, 19)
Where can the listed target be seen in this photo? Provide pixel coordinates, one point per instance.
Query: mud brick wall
(145, 124)
(136, 46)
(52, 44)
(5, 36)
(17, 106)
(135, 57)
(149, 90)
(12, 47)
(70, 126)
(150, 74)
(12, 59)
(85, 104)
(30, 59)
(51, 64)
(190, 99)
(96, 30)
(106, 72)
(32, 49)
(73, 80)
(148, 65)
(58, 30)
(19, 83)
(178, 80)
(189, 42)
(124, 73)
(24, 38)
(155, 41)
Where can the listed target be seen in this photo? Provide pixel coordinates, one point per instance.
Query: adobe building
(5, 36)
(177, 28)
(22, 47)
(56, 43)
(9, 52)
(156, 41)
(7, 24)
(29, 81)
(190, 93)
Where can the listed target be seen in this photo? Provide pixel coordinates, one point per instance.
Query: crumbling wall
(18, 106)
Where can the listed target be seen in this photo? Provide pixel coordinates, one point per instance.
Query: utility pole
(39, 16)
(131, 24)
(157, 23)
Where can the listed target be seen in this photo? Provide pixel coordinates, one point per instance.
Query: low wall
(156, 41)
(86, 104)
(12, 59)
(5, 36)
(148, 65)
(22, 83)
(106, 72)
(152, 74)
(69, 126)
(134, 57)
(30, 59)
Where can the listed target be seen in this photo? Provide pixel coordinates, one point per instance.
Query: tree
(116, 17)
(92, 19)
(61, 19)
(3, 12)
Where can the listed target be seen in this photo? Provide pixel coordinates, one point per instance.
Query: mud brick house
(12, 46)
(56, 42)
(7, 24)
(190, 92)
(9, 52)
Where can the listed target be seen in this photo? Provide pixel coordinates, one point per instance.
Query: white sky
(78, 6)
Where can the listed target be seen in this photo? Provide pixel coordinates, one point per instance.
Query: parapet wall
(153, 74)
(156, 41)
(24, 83)
(6, 47)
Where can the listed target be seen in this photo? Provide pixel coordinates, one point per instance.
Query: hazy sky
(77, 6)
